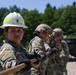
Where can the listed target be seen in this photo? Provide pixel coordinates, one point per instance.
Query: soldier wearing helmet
(39, 45)
(57, 32)
(61, 57)
(11, 52)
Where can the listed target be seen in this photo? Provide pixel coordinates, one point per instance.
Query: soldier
(60, 58)
(12, 52)
(39, 45)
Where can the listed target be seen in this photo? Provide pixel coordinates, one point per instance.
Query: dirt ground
(71, 66)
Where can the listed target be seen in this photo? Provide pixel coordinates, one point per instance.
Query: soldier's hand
(37, 57)
(54, 50)
(27, 62)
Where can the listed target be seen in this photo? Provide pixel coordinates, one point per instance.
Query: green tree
(48, 15)
(3, 13)
(57, 16)
(32, 19)
(14, 9)
(67, 20)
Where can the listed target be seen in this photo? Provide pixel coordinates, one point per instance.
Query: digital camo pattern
(37, 45)
(10, 54)
(57, 62)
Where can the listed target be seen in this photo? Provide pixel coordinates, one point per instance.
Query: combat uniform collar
(12, 43)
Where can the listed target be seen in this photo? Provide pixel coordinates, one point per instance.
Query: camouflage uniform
(11, 55)
(50, 70)
(57, 66)
(63, 57)
(11, 52)
(37, 45)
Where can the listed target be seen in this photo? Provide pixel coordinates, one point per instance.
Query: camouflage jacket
(11, 54)
(40, 47)
(60, 58)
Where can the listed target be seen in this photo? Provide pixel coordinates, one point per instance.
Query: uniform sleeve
(36, 45)
(47, 47)
(66, 51)
(8, 56)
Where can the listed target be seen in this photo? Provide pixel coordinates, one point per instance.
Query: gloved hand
(38, 58)
(53, 50)
(27, 62)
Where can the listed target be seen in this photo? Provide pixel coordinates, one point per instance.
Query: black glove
(27, 62)
(36, 56)
(53, 50)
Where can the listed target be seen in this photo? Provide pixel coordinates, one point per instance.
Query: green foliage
(32, 19)
(64, 18)
(48, 15)
(14, 8)
(3, 13)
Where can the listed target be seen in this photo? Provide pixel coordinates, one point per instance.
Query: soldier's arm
(66, 50)
(8, 57)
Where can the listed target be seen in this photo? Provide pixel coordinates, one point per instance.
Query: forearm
(9, 63)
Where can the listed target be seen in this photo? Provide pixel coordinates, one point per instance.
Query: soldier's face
(15, 34)
(56, 38)
(45, 36)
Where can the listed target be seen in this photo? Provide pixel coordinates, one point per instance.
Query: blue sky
(40, 5)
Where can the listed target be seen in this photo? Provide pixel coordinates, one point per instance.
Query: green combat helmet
(58, 32)
(44, 27)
